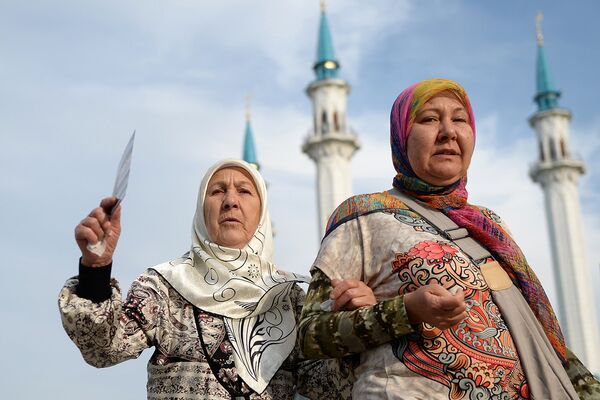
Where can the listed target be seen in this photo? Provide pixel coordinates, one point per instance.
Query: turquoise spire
(326, 65)
(249, 148)
(546, 96)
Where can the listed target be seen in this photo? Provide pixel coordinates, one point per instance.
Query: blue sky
(79, 76)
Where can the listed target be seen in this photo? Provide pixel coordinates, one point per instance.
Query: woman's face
(231, 207)
(440, 142)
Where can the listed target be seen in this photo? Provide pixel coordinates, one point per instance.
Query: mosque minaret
(249, 151)
(331, 143)
(558, 172)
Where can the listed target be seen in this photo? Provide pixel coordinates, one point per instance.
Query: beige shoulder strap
(493, 273)
(447, 227)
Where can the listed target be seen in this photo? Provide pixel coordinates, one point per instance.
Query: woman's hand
(350, 294)
(436, 306)
(98, 225)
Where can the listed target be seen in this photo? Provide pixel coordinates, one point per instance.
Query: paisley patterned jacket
(192, 357)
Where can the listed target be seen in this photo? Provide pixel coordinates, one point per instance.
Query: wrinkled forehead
(445, 94)
(421, 98)
(239, 175)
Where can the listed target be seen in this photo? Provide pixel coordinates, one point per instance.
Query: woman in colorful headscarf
(452, 320)
(222, 318)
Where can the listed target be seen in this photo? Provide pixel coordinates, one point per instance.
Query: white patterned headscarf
(241, 285)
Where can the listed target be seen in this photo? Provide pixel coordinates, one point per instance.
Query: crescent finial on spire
(538, 28)
(323, 6)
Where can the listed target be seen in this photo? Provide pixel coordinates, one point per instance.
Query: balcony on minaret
(566, 169)
(322, 144)
(556, 161)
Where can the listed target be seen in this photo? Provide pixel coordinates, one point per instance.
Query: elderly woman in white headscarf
(222, 318)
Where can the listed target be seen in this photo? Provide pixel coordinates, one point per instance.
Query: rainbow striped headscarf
(452, 201)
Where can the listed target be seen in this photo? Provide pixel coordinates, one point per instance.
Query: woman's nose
(230, 200)
(447, 129)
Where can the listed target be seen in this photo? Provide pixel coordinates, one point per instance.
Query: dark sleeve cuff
(94, 283)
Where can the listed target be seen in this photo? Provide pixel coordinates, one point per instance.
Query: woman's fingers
(351, 294)
(108, 203)
(115, 218)
(450, 304)
(340, 286)
(350, 297)
(111, 209)
(102, 224)
(97, 223)
(444, 300)
(436, 306)
(85, 234)
(449, 322)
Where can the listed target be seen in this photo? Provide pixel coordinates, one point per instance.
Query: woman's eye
(428, 119)
(461, 118)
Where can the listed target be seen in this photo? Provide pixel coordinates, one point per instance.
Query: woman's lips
(229, 219)
(446, 152)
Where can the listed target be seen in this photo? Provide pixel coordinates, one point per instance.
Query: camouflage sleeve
(586, 386)
(338, 334)
(323, 378)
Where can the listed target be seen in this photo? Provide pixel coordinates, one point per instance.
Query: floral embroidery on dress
(475, 358)
(438, 262)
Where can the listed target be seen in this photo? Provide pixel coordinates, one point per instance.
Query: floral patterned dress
(395, 252)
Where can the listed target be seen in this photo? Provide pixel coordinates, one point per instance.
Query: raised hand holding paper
(119, 189)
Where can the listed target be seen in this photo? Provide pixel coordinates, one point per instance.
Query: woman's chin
(443, 177)
(442, 181)
(233, 240)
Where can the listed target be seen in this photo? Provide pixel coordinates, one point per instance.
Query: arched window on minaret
(542, 158)
(336, 124)
(552, 150)
(324, 123)
(563, 148)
